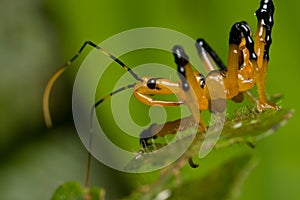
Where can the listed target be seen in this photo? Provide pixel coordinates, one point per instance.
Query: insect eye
(151, 84)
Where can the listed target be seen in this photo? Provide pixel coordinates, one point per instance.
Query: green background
(36, 37)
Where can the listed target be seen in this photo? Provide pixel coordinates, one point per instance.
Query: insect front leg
(191, 92)
(161, 130)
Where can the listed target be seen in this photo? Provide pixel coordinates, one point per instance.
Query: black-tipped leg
(242, 30)
(181, 59)
(263, 41)
(180, 56)
(264, 15)
(207, 55)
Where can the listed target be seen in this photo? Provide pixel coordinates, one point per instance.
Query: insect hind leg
(263, 41)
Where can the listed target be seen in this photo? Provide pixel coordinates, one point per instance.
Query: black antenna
(58, 73)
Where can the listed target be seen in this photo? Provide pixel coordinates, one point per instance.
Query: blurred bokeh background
(36, 37)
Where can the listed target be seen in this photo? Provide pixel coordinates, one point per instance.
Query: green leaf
(74, 191)
(248, 126)
(224, 182)
(252, 126)
(69, 190)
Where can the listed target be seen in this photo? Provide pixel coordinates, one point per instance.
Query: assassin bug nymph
(247, 66)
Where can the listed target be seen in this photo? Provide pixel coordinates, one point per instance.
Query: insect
(246, 67)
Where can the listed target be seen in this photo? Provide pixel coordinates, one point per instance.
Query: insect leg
(162, 130)
(186, 91)
(208, 56)
(191, 93)
(263, 41)
(240, 33)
